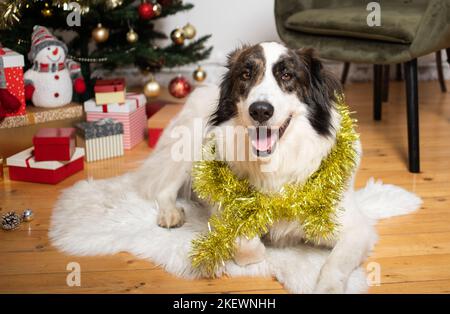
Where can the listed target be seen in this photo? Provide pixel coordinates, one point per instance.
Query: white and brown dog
(289, 99)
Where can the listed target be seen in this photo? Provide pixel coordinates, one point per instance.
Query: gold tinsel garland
(245, 212)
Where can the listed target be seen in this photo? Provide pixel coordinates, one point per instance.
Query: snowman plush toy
(52, 78)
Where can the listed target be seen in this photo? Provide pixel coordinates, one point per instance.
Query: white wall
(231, 22)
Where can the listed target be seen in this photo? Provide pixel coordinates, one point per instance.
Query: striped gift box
(134, 124)
(103, 147)
(102, 139)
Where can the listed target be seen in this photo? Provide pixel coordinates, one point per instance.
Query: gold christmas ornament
(152, 88)
(157, 9)
(47, 12)
(132, 36)
(199, 74)
(112, 4)
(189, 31)
(100, 34)
(177, 36)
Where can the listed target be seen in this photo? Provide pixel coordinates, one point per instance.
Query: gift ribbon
(133, 96)
(27, 161)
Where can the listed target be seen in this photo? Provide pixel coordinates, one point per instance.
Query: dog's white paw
(249, 251)
(171, 218)
(330, 283)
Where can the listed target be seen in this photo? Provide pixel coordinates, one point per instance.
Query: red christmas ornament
(146, 11)
(79, 85)
(179, 87)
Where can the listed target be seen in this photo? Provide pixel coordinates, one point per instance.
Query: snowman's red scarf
(49, 67)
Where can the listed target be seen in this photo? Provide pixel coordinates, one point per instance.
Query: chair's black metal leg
(377, 90)
(412, 109)
(440, 71)
(345, 73)
(448, 55)
(398, 72)
(386, 77)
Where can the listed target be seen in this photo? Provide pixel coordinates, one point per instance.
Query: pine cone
(11, 221)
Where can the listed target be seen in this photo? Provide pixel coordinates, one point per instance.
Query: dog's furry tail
(378, 200)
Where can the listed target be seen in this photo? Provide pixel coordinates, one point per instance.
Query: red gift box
(153, 107)
(153, 136)
(110, 91)
(159, 121)
(23, 167)
(11, 73)
(108, 86)
(54, 144)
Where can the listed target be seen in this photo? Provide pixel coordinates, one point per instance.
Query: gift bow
(104, 121)
(134, 96)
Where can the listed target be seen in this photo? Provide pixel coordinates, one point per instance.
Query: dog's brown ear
(226, 107)
(319, 75)
(309, 57)
(234, 55)
(323, 87)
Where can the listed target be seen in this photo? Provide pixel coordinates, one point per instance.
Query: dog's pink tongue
(264, 143)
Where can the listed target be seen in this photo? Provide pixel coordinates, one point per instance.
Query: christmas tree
(122, 31)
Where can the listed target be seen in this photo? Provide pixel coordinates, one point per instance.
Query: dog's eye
(245, 75)
(286, 76)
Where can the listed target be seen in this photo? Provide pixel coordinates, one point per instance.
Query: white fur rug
(105, 217)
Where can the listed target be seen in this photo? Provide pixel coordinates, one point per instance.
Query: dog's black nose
(261, 111)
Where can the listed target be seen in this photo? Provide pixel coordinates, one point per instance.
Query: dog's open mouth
(264, 139)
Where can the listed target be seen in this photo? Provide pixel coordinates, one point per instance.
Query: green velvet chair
(338, 30)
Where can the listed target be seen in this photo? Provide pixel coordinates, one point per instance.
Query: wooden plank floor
(413, 251)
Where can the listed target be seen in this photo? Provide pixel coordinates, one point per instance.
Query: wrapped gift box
(153, 107)
(54, 144)
(23, 167)
(134, 124)
(160, 120)
(110, 91)
(11, 73)
(132, 102)
(101, 139)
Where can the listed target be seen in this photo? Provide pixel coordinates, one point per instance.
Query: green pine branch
(153, 58)
(116, 49)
